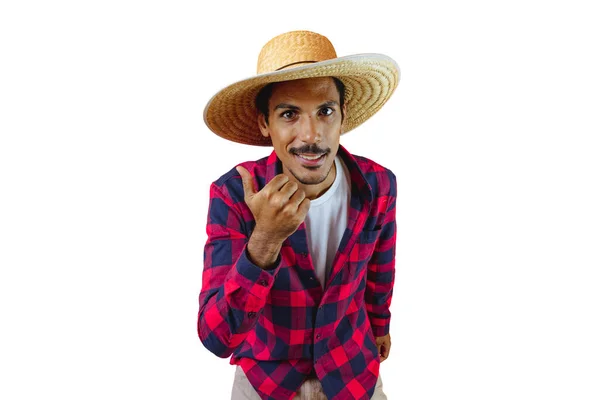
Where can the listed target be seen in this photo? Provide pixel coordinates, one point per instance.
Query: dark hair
(263, 97)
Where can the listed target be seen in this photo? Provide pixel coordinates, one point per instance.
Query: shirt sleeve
(381, 270)
(234, 289)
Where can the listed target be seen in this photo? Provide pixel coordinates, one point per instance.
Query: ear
(262, 125)
(342, 130)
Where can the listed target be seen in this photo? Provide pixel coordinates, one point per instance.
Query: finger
(247, 181)
(288, 190)
(382, 355)
(304, 207)
(297, 198)
(385, 351)
(276, 183)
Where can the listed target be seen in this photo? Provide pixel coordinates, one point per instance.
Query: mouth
(310, 160)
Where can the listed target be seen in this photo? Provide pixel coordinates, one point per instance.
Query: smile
(310, 160)
(307, 157)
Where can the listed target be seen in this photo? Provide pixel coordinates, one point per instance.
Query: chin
(311, 180)
(308, 177)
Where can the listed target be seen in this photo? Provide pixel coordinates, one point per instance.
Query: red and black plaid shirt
(279, 325)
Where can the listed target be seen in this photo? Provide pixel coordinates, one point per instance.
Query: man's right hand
(278, 209)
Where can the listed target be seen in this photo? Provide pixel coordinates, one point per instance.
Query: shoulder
(381, 179)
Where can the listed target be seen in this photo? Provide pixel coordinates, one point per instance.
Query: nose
(310, 131)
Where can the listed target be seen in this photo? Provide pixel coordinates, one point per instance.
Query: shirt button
(251, 314)
(263, 282)
(318, 336)
(304, 254)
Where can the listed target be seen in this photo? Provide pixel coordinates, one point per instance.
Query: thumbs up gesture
(278, 208)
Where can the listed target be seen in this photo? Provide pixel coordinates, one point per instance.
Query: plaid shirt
(279, 325)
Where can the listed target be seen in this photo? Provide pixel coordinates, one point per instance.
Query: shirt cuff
(379, 331)
(253, 278)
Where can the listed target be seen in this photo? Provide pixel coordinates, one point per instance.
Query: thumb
(247, 181)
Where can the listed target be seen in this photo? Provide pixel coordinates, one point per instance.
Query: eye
(326, 111)
(289, 114)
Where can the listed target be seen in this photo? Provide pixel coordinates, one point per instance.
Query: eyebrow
(285, 105)
(329, 103)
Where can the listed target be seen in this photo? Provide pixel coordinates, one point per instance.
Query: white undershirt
(326, 222)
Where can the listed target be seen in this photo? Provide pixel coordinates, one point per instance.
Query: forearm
(378, 309)
(240, 265)
(228, 311)
(263, 251)
(379, 289)
(381, 271)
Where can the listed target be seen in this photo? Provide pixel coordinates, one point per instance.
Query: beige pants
(310, 390)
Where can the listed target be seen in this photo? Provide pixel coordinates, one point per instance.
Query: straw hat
(370, 80)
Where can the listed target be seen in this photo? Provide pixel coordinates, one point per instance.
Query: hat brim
(370, 80)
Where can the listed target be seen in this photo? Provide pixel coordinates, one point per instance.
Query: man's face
(305, 122)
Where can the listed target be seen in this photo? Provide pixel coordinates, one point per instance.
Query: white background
(105, 165)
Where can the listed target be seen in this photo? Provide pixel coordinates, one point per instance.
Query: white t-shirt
(326, 222)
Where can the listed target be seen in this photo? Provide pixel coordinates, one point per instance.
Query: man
(299, 261)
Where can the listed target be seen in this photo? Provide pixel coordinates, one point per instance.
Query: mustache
(309, 148)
